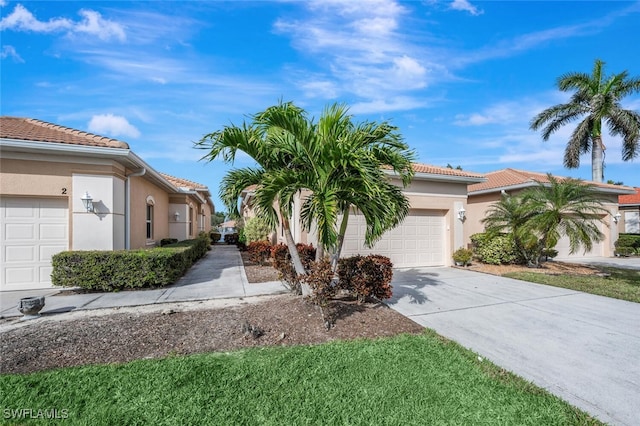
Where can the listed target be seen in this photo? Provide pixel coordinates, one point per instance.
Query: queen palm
(596, 101)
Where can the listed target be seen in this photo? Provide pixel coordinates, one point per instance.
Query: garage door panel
(52, 231)
(34, 230)
(20, 254)
(19, 231)
(418, 241)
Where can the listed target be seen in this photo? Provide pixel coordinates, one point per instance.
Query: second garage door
(32, 231)
(418, 241)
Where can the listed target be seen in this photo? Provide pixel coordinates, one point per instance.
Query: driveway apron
(581, 347)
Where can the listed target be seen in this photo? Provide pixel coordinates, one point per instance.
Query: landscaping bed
(126, 334)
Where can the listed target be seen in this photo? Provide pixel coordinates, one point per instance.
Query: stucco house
(429, 235)
(630, 212)
(511, 181)
(65, 189)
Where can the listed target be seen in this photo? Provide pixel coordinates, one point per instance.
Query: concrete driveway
(581, 347)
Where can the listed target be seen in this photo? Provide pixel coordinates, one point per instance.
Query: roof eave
(441, 178)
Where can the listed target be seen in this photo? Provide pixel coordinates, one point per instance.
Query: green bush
(282, 263)
(256, 229)
(462, 256)
(215, 236)
(628, 240)
(366, 276)
(167, 241)
(126, 269)
(495, 249)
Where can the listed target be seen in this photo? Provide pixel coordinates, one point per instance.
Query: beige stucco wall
(140, 190)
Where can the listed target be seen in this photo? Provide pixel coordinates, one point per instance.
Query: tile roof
(183, 183)
(31, 129)
(630, 199)
(436, 170)
(505, 178)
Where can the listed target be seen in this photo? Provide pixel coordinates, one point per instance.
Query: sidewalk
(218, 275)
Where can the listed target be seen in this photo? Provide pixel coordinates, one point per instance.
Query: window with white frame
(191, 221)
(149, 218)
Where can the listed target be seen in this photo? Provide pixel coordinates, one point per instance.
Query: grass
(407, 379)
(622, 284)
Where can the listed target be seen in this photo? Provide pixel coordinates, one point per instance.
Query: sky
(460, 79)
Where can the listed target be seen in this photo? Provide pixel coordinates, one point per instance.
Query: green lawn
(622, 284)
(419, 380)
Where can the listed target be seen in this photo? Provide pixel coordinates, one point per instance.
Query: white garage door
(33, 230)
(632, 222)
(418, 241)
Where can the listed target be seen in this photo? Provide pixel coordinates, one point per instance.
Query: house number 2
(64, 191)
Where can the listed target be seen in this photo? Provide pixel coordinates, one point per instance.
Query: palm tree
(262, 141)
(538, 217)
(596, 100)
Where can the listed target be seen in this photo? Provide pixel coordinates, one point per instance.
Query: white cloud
(322, 89)
(91, 23)
(112, 125)
(10, 52)
(465, 6)
(3, 3)
(23, 20)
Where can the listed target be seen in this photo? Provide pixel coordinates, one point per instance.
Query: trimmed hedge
(627, 245)
(495, 249)
(126, 269)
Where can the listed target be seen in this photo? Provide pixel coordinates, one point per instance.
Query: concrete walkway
(218, 275)
(581, 347)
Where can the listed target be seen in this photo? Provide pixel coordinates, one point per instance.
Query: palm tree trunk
(340, 242)
(319, 252)
(597, 150)
(295, 256)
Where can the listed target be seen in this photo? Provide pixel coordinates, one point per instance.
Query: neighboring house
(428, 236)
(630, 212)
(246, 204)
(510, 181)
(65, 189)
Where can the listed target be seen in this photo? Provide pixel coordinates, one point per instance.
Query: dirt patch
(96, 337)
(257, 273)
(551, 268)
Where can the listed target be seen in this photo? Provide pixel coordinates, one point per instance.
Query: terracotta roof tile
(30, 129)
(183, 183)
(504, 178)
(630, 199)
(436, 170)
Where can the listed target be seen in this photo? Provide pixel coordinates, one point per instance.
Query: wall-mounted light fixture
(176, 216)
(462, 214)
(87, 202)
(616, 217)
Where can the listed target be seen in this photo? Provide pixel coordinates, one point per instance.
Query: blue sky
(461, 79)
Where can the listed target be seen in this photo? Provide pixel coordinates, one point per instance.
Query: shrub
(259, 251)
(366, 276)
(307, 254)
(215, 236)
(126, 269)
(320, 279)
(167, 241)
(462, 256)
(628, 240)
(624, 251)
(495, 249)
(231, 238)
(256, 229)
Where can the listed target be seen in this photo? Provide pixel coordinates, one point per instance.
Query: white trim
(430, 194)
(534, 184)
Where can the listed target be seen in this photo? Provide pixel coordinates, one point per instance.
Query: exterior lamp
(462, 214)
(616, 217)
(87, 202)
(176, 216)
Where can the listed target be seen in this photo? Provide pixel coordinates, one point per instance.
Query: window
(149, 221)
(191, 221)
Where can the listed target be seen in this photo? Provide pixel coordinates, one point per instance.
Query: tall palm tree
(596, 101)
(538, 217)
